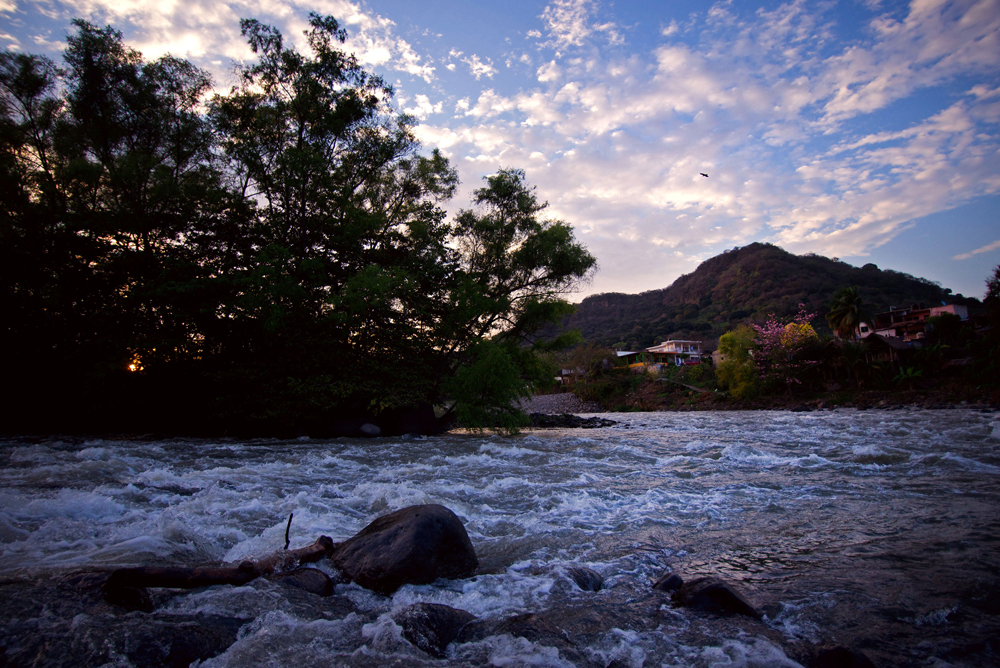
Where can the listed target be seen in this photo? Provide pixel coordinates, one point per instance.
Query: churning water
(878, 530)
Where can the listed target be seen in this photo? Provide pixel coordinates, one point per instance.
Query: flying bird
(703, 174)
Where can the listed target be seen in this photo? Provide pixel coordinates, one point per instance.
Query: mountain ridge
(745, 284)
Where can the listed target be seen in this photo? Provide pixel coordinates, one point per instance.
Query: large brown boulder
(415, 545)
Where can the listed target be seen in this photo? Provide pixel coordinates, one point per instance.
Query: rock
(415, 545)
(311, 580)
(585, 578)
(432, 627)
(531, 627)
(668, 582)
(370, 430)
(567, 421)
(712, 594)
(841, 657)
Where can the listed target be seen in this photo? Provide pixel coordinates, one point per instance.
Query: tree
(779, 347)
(336, 269)
(515, 269)
(284, 259)
(847, 312)
(737, 370)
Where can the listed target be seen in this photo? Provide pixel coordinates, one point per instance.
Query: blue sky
(866, 130)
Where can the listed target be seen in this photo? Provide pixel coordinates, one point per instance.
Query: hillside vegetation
(741, 285)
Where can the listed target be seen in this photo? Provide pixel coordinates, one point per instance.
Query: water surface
(874, 529)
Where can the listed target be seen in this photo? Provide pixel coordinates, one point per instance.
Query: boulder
(668, 582)
(568, 421)
(370, 430)
(311, 580)
(841, 657)
(432, 627)
(415, 545)
(712, 594)
(585, 578)
(534, 628)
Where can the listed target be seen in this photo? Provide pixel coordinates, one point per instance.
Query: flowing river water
(876, 530)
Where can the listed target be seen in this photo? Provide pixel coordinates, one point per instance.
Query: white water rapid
(878, 530)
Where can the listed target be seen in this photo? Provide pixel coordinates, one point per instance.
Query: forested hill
(740, 285)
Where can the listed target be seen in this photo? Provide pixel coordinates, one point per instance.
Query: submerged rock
(567, 421)
(529, 626)
(585, 578)
(841, 657)
(712, 594)
(370, 430)
(415, 545)
(311, 580)
(669, 581)
(431, 626)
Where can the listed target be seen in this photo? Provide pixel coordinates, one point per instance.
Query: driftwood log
(125, 585)
(413, 545)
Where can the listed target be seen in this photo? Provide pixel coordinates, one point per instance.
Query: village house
(673, 352)
(909, 324)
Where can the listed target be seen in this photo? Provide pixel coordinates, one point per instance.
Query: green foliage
(908, 376)
(739, 286)
(612, 389)
(487, 390)
(737, 371)
(847, 312)
(287, 253)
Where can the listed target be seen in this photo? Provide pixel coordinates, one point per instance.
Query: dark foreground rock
(668, 582)
(311, 580)
(841, 657)
(567, 421)
(529, 626)
(431, 626)
(712, 594)
(585, 578)
(415, 545)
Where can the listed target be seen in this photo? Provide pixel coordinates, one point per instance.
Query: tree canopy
(275, 259)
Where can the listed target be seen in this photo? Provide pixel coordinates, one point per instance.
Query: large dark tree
(279, 263)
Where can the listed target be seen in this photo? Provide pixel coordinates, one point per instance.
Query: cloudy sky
(867, 130)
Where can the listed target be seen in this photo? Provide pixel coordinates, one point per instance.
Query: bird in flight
(703, 174)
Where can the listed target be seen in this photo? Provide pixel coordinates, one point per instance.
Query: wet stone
(311, 580)
(432, 627)
(669, 581)
(712, 594)
(585, 578)
(841, 657)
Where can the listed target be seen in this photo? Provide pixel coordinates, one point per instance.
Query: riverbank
(660, 395)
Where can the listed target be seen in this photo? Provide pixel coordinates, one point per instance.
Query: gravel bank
(557, 404)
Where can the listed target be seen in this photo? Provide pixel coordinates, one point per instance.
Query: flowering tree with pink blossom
(779, 347)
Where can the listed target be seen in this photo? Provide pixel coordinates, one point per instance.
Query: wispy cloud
(198, 30)
(753, 102)
(479, 67)
(984, 249)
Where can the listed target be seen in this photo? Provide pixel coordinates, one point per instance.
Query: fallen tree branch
(123, 582)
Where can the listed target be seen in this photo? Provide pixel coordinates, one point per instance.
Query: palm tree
(847, 311)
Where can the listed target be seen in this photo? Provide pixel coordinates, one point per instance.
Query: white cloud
(984, 249)
(208, 31)
(568, 23)
(548, 72)
(478, 68)
(422, 107)
(624, 138)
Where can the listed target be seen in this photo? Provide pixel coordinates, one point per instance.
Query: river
(877, 530)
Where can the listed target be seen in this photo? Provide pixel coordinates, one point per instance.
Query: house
(909, 324)
(669, 352)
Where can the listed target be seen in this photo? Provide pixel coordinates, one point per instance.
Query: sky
(866, 130)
